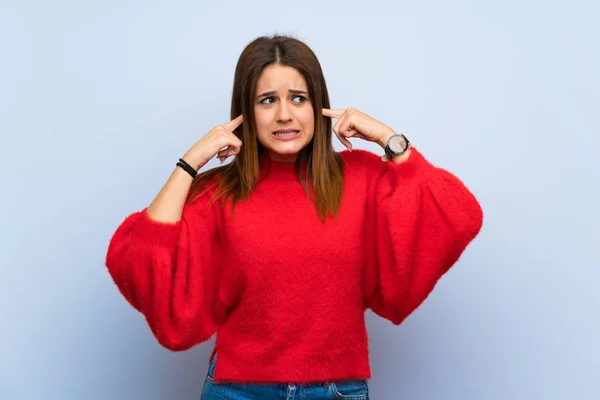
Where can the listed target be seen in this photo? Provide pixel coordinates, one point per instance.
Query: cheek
(307, 118)
(263, 118)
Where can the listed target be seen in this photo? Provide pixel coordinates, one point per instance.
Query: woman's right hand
(219, 141)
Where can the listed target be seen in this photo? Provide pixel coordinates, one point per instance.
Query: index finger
(332, 113)
(231, 125)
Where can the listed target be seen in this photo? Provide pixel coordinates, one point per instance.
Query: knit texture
(285, 292)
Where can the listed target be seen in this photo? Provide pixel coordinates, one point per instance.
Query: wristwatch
(396, 145)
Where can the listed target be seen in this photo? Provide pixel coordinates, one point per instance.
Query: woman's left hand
(353, 123)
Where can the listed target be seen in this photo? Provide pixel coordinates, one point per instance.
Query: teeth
(286, 133)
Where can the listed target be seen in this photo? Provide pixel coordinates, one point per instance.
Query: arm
(423, 218)
(163, 258)
(167, 269)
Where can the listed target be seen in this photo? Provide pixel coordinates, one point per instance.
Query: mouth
(286, 134)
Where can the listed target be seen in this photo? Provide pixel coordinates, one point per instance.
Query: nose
(283, 113)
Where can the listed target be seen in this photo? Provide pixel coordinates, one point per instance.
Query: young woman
(281, 251)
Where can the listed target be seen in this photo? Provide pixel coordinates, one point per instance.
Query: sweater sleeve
(422, 219)
(168, 272)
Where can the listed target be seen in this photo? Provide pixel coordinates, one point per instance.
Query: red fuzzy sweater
(285, 293)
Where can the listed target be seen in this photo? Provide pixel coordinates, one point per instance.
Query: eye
(298, 99)
(267, 100)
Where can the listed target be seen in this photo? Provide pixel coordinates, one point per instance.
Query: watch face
(398, 143)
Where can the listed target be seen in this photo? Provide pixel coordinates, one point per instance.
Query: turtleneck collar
(271, 168)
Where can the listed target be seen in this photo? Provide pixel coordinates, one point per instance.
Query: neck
(277, 167)
(282, 158)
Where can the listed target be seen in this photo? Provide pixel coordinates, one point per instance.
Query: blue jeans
(345, 390)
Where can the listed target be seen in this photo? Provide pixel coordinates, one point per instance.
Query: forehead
(280, 78)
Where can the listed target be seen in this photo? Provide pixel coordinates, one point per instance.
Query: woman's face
(283, 112)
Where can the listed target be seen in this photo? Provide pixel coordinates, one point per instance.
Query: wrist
(189, 169)
(399, 159)
(385, 138)
(190, 160)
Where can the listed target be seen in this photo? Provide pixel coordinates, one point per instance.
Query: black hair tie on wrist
(187, 167)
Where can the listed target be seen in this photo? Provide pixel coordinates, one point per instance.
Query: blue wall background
(99, 99)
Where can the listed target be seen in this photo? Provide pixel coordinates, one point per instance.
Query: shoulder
(368, 158)
(360, 156)
(203, 190)
(362, 162)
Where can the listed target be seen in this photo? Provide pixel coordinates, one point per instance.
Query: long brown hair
(324, 179)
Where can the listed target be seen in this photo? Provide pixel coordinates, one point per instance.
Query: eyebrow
(272, 92)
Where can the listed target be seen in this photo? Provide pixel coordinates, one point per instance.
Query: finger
(230, 150)
(223, 153)
(341, 138)
(341, 116)
(228, 139)
(346, 126)
(332, 113)
(336, 127)
(227, 152)
(338, 124)
(344, 141)
(231, 125)
(231, 146)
